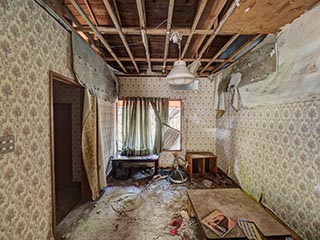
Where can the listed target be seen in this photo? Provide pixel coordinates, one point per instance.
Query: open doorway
(69, 181)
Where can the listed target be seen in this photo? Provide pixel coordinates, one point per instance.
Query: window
(172, 135)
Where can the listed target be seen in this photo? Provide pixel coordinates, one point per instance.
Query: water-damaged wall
(272, 148)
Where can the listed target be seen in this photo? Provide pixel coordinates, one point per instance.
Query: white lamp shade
(180, 74)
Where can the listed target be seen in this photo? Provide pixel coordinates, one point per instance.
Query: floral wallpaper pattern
(198, 119)
(106, 111)
(274, 151)
(64, 93)
(31, 44)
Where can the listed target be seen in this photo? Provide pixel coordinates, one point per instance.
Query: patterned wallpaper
(106, 111)
(64, 93)
(274, 151)
(31, 44)
(198, 121)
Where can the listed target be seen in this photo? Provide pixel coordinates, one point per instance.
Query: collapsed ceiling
(133, 35)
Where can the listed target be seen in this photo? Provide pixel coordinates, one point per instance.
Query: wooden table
(233, 202)
(117, 159)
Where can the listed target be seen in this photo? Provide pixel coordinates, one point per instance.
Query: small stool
(201, 158)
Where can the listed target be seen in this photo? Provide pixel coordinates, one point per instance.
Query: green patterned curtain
(136, 125)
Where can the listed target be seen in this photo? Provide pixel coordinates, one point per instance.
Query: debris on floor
(142, 209)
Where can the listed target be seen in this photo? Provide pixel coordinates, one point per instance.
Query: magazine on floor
(219, 223)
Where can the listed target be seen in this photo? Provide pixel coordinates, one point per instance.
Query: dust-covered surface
(140, 208)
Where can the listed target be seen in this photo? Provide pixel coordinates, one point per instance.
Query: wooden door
(62, 145)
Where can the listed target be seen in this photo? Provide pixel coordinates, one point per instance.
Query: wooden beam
(122, 36)
(142, 19)
(98, 34)
(166, 46)
(202, 4)
(244, 46)
(142, 59)
(116, 9)
(231, 40)
(224, 19)
(150, 31)
(93, 17)
(208, 24)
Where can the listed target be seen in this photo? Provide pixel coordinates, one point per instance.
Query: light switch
(6, 144)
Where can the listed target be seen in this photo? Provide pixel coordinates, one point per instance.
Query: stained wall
(272, 147)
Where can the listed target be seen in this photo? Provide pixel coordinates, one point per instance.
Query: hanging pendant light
(179, 74)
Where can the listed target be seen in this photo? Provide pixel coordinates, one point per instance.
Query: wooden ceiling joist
(142, 59)
(142, 20)
(221, 23)
(208, 24)
(93, 17)
(150, 31)
(117, 11)
(232, 39)
(239, 50)
(245, 45)
(98, 34)
(201, 7)
(122, 36)
(169, 22)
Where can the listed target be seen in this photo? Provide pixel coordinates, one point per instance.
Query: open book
(219, 223)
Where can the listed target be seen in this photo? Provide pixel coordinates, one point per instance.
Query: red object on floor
(173, 231)
(177, 222)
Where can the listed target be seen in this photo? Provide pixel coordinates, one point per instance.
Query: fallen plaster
(138, 209)
(297, 77)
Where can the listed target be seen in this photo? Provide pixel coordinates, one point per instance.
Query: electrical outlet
(6, 144)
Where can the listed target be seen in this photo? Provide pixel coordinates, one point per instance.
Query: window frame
(163, 149)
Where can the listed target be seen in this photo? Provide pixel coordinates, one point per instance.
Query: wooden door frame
(53, 76)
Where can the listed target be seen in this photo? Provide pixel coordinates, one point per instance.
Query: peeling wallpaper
(298, 73)
(273, 147)
(198, 121)
(64, 93)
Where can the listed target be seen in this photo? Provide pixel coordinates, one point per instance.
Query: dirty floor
(141, 209)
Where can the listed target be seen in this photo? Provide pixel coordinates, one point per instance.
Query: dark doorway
(69, 180)
(68, 191)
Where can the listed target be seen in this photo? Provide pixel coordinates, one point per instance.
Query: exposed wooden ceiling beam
(142, 20)
(231, 40)
(166, 46)
(98, 34)
(208, 24)
(116, 9)
(243, 47)
(122, 36)
(221, 23)
(202, 4)
(93, 17)
(142, 59)
(151, 31)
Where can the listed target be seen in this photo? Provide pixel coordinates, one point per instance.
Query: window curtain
(136, 125)
(161, 110)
